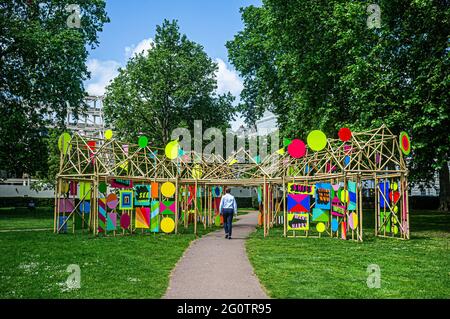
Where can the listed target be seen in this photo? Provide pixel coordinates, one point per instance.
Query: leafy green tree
(316, 64)
(169, 86)
(42, 69)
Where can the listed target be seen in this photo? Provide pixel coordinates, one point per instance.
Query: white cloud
(142, 46)
(228, 80)
(102, 72)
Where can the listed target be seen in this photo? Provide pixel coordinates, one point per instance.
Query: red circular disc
(297, 148)
(394, 196)
(345, 134)
(405, 142)
(125, 221)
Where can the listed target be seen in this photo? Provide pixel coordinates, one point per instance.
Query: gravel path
(217, 268)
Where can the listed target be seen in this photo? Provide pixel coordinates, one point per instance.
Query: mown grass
(332, 268)
(33, 264)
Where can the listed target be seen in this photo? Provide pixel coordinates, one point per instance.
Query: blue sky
(133, 22)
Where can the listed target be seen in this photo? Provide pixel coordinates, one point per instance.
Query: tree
(42, 69)
(167, 87)
(316, 64)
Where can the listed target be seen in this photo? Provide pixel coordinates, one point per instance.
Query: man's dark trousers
(228, 220)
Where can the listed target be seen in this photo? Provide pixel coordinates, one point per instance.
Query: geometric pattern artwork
(384, 190)
(121, 183)
(294, 188)
(323, 195)
(167, 207)
(217, 191)
(338, 210)
(142, 217)
(154, 190)
(298, 221)
(85, 191)
(334, 224)
(142, 197)
(85, 207)
(353, 221)
(154, 217)
(101, 215)
(351, 195)
(320, 215)
(297, 203)
(111, 221)
(66, 205)
(62, 224)
(126, 199)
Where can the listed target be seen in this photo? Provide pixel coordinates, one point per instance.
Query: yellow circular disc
(168, 189)
(197, 171)
(108, 134)
(395, 209)
(167, 225)
(320, 227)
(172, 150)
(344, 197)
(64, 143)
(394, 186)
(395, 229)
(317, 140)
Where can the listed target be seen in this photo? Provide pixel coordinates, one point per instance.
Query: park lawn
(33, 264)
(22, 218)
(332, 268)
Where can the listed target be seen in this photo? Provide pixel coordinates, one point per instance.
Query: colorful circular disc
(405, 143)
(346, 160)
(217, 220)
(353, 221)
(297, 148)
(320, 227)
(64, 143)
(142, 141)
(102, 187)
(125, 221)
(112, 201)
(286, 142)
(168, 189)
(172, 150)
(197, 171)
(167, 225)
(85, 207)
(345, 134)
(334, 224)
(343, 195)
(394, 196)
(394, 186)
(108, 134)
(317, 140)
(65, 187)
(395, 229)
(395, 209)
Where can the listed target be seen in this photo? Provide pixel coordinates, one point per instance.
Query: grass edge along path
(332, 268)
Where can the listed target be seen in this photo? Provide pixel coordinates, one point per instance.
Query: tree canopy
(42, 69)
(318, 65)
(169, 86)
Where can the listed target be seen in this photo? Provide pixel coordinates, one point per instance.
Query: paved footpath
(217, 268)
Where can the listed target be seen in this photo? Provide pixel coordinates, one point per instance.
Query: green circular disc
(64, 143)
(317, 140)
(102, 187)
(143, 141)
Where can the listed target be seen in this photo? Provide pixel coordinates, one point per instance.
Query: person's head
(228, 191)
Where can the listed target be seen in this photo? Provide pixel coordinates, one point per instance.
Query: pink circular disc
(297, 148)
(125, 221)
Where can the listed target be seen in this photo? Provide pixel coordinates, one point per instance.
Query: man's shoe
(229, 237)
(226, 236)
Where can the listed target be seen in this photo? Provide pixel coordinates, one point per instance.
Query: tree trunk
(444, 189)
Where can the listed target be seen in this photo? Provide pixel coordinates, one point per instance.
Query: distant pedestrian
(228, 208)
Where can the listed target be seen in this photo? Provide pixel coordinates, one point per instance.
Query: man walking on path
(227, 208)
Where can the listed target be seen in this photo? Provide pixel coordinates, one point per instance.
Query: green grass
(34, 264)
(332, 268)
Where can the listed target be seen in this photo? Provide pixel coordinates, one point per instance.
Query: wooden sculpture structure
(102, 181)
